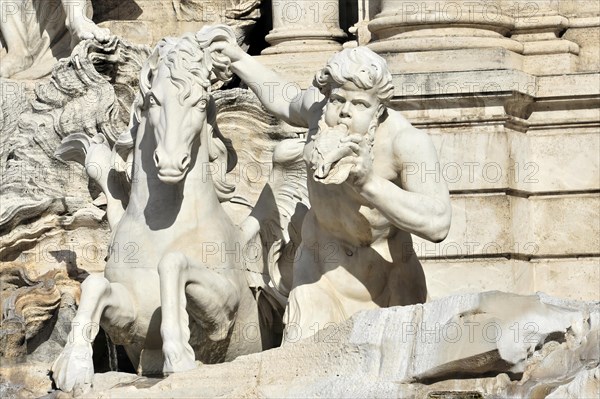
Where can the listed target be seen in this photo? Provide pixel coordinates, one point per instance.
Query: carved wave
(89, 92)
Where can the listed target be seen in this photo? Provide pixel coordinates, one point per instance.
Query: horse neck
(198, 183)
(196, 191)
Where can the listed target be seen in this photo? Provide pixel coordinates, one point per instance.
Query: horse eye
(152, 100)
(202, 103)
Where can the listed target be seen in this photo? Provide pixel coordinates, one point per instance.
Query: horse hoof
(178, 358)
(178, 367)
(73, 371)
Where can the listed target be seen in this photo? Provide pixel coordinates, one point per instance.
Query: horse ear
(153, 60)
(154, 57)
(148, 68)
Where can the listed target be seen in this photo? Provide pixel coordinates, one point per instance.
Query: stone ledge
(498, 81)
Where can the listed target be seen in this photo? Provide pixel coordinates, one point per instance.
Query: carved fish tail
(279, 212)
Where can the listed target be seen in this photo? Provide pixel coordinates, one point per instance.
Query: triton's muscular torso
(351, 248)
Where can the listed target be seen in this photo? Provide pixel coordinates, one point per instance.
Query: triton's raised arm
(78, 21)
(272, 90)
(28, 30)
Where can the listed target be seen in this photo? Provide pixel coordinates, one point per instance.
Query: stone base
(490, 344)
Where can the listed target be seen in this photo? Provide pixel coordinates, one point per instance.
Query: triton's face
(351, 106)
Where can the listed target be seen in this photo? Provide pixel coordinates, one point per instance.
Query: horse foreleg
(74, 368)
(209, 291)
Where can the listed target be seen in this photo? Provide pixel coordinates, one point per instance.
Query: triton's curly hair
(361, 66)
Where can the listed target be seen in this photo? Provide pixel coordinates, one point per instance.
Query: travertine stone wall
(510, 93)
(148, 21)
(514, 112)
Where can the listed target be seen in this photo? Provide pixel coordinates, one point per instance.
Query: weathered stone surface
(554, 161)
(493, 159)
(589, 56)
(585, 385)
(497, 224)
(545, 344)
(456, 60)
(297, 68)
(38, 189)
(378, 353)
(458, 276)
(24, 379)
(146, 22)
(558, 225)
(575, 278)
(563, 278)
(28, 304)
(483, 105)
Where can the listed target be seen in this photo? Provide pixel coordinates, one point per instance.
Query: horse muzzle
(171, 170)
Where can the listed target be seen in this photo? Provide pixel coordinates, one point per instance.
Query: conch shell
(328, 153)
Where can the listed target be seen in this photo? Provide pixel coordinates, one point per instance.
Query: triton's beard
(329, 159)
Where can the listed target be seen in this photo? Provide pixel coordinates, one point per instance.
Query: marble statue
(180, 295)
(356, 250)
(34, 32)
(508, 95)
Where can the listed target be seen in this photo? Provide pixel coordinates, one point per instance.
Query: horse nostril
(156, 158)
(185, 161)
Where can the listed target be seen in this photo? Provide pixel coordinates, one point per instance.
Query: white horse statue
(180, 295)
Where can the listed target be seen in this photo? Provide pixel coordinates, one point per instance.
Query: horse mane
(193, 69)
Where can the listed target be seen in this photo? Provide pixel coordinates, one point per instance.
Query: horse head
(175, 97)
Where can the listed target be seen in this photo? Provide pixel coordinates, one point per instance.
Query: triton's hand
(230, 50)
(362, 169)
(83, 28)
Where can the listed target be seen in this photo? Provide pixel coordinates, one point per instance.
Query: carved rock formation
(28, 304)
(89, 92)
(536, 346)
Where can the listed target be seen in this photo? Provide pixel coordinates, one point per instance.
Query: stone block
(458, 276)
(575, 278)
(554, 161)
(550, 64)
(497, 225)
(558, 225)
(299, 68)
(572, 85)
(467, 82)
(571, 278)
(480, 226)
(589, 48)
(450, 343)
(472, 160)
(533, 163)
